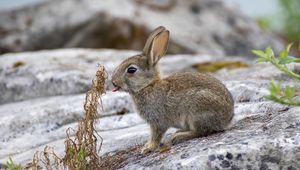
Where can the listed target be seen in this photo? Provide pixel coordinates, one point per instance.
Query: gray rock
(32, 123)
(197, 26)
(62, 72)
(267, 139)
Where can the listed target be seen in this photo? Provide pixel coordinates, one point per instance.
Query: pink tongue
(115, 89)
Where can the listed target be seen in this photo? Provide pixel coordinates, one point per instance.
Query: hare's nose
(113, 83)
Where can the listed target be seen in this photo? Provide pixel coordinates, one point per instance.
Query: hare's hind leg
(180, 130)
(179, 137)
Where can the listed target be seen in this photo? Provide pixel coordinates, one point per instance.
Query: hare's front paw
(149, 147)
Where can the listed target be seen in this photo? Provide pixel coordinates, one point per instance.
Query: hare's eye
(131, 70)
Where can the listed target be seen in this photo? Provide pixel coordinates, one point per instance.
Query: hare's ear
(151, 37)
(158, 47)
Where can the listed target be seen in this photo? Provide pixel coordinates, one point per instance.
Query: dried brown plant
(81, 151)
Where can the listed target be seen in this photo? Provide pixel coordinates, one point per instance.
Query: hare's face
(134, 74)
(139, 71)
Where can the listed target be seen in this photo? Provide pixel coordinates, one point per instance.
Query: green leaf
(270, 97)
(81, 155)
(259, 53)
(275, 89)
(289, 47)
(10, 163)
(284, 53)
(12, 166)
(269, 52)
(289, 92)
(262, 60)
(287, 60)
(297, 60)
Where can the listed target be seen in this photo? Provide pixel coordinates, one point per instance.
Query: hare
(198, 104)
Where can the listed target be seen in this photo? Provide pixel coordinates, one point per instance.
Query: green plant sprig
(12, 165)
(279, 62)
(278, 95)
(282, 96)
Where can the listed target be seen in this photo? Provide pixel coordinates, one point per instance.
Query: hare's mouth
(116, 88)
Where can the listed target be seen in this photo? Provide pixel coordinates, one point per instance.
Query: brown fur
(198, 104)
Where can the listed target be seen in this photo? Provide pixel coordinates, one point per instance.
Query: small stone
(272, 159)
(291, 168)
(234, 167)
(185, 155)
(220, 157)
(212, 157)
(229, 156)
(217, 168)
(225, 164)
(263, 166)
(239, 157)
(195, 9)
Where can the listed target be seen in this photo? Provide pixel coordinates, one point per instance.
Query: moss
(18, 64)
(218, 65)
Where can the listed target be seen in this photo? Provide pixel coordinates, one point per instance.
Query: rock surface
(61, 72)
(263, 134)
(197, 26)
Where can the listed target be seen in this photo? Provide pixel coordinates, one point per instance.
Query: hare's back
(185, 81)
(198, 92)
